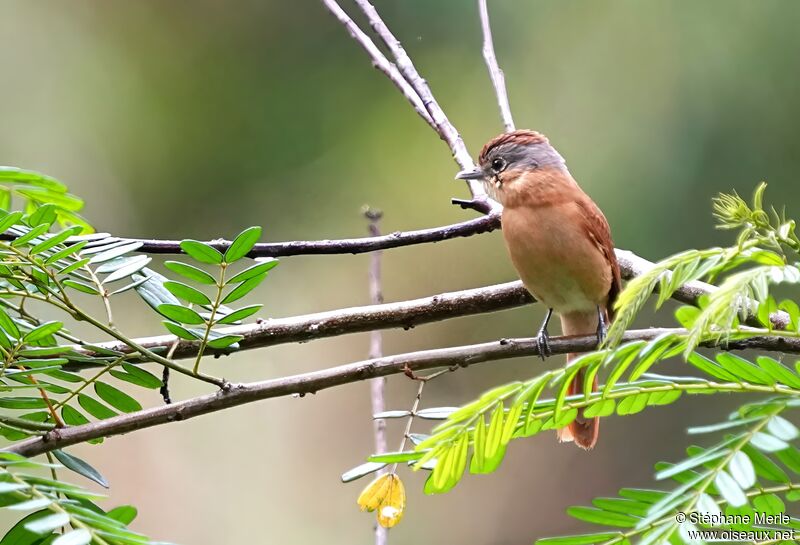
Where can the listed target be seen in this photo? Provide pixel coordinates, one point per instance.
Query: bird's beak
(475, 174)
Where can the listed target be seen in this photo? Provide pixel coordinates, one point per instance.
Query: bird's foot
(543, 344)
(602, 327)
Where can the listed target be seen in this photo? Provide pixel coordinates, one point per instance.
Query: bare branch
(443, 127)
(308, 327)
(495, 73)
(378, 384)
(313, 382)
(379, 60)
(360, 245)
(402, 314)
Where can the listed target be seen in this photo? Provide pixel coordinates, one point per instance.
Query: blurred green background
(196, 119)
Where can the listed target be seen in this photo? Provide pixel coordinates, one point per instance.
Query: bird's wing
(599, 232)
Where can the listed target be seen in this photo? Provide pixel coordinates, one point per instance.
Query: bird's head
(509, 160)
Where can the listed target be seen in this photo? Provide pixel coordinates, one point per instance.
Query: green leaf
(686, 315)
(436, 413)
(239, 315)
(54, 240)
(743, 369)
(244, 288)
(782, 428)
(225, 341)
(191, 272)
(585, 539)
(632, 404)
(180, 314)
(80, 286)
(65, 252)
(115, 252)
(132, 266)
(729, 489)
(72, 416)
(262, 267)
(80, 536)
(48, 523)
(30, 505)
(181, 332)
(136, 375)
(8, 324)
(187, 293)
(768, 443)
(395, 457)
(242, 244)
(10, 220)
(20, 535)
(30, 235)
(116, 398)
(778, 371)
(598, 516)
(43, 331)
(361, 471)
(742, 470)
(80, 467)
(94, 407)
(124, 514)
(201, 252)
(22, 403)
(690, 463)
(601, 408)
(769, 504)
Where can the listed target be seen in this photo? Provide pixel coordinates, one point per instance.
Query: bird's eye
(498, 164)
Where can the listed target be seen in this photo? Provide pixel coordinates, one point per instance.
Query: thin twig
(309, 383)
(359, 245)
(495, 73)
(378, 384)
(379, 61)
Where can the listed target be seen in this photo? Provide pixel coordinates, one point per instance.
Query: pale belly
(556, 259)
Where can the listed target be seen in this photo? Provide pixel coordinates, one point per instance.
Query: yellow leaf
(374, 493)
(394, 504)
(386, 495)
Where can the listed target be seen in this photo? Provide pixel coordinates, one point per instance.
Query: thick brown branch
(309, 383)
(403, 314)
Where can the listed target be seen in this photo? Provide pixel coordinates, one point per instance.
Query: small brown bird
(559, 242)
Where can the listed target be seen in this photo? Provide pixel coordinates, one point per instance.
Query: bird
(560, 244)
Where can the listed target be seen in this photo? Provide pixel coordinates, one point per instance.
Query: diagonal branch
(313, 382)
(379, 61)
(495, 73)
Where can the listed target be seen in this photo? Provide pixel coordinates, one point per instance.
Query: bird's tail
(583, 431)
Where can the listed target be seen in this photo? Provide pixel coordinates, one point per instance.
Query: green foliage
(50, 377)
(58, 512)
(740, 473)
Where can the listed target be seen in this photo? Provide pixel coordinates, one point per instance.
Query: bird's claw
(602, 327)
(543, 344)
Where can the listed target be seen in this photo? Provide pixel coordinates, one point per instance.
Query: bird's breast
(557, 260)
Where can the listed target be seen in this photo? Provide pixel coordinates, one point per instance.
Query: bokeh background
(196, 119)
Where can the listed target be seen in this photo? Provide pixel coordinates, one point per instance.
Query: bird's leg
(543, 338)
(602, 326)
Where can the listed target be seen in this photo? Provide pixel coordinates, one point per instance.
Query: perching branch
(495, 73)
(308, 327)
(402, 314)
(309, 383)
